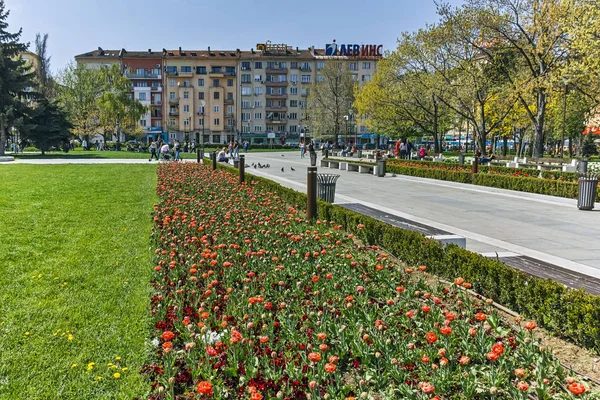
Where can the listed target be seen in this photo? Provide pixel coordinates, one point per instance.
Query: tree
(118, 110)
(49, 126)
(79, 92)
(330, 100)
(532, 31)
(16, 79)
(44, 75)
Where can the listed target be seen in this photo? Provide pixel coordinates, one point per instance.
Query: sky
(79, 26)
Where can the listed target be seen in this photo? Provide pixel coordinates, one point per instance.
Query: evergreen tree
(44, 75)
(16, 79)
(48, 126)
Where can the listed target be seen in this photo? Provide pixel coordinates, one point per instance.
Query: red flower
(314, 357)
(256, 396)
(492, 356)
(576, 388)
(480, 316)
(205, 387)
(427, 388)
(426, 308)
(530, 325)
(431, 337)
(522, 386)
(498, 348)
(167, 336)
(330, 368)
(445, 330)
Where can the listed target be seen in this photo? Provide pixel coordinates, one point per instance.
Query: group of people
(232, 151)
(306, 148)
(159, 148)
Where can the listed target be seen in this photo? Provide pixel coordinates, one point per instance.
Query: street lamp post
(346, 117)
(202, 104)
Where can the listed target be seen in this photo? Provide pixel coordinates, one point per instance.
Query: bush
(31, 148)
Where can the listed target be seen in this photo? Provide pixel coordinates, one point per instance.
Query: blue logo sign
(354, 50)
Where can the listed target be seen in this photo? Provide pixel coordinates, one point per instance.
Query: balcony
(277, 96)
(173, 113)
(174, 101)
(228, 101)
(277, 70)
(276, 84)
(187, 74)
(143, 75)
(306, 68)
(275, 109)
(277, 120)
(157, 88)
(156, 116)
(157, 103)
(172, 73)
(216, 74)
(229, 114)
(246, 107)
(229, 73)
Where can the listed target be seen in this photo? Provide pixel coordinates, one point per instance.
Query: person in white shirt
(164, 151)
(222, 155)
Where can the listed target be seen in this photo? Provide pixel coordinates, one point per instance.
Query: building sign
(354, 50)
(272, 47)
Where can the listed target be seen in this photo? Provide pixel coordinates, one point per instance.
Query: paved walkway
(510, 223)
(495, 222)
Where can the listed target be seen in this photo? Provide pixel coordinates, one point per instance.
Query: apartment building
(144, 70)
(201, 90)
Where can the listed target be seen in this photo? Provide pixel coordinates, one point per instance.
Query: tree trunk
(2, 135)
(481, 136)
(504, 146)
(436, 142)
(538, 139)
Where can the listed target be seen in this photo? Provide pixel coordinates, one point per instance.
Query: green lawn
(74, 280)
(78, 153)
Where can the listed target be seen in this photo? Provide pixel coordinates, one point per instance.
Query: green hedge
(569, 314)
(433, 173)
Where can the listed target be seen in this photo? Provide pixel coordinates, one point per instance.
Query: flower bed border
(569, 314)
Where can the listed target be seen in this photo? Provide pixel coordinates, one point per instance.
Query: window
(246, 116)
(257, 128)
(305, 66)
(272, 65)
(270, 90)
(306, 79)
(200, 82)
(172, 95)
(217, 109)
(143, 122)
(257, 115)
(216, 95)
(320, 78)
(186, 122)
(353, 67)
(281, 128)
(200, 110)
(293, 128)
(186, 83)
(245, 65)
(217, 122)
(282, 78)
(158, 124)
(281, 103)
(186, 69)
(320, 65)
(366, 65)
(363, 129)
(258, 91)
(294, 78)
(293, 90)
(200, 95)
(216, 139)
(257, 65)
(216, 70)
(293, 103)
(282, 65)
(281, 90)
(229, 109)
(293, 115)
(257, 103)
(246, 78)
(246, 91)
(201, 70)
(155, 71)
(245, 128)
(172, 110)
(245, 103)
(186, 95)
(302, 104)
(258, 78)
(366, 78)
(294, 65)
(230, 70)
(186, 108)
(270, 78)
(155, 85)
(229, 82)
(142, 96)
(201, 122)
(229, 122)
(141, 84)
(355, 77)
(172, 69)
(229, 96)
(215, 82)
(270, 103)
(172, 82)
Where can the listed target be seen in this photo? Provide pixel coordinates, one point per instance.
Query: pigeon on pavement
(292, 168)
(282, 170)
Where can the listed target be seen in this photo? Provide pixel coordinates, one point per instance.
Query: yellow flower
(98, 378)
(70, 337)
(117, 358)
(74, 365)
(124, 369)
(109, 364)
(117, 375)
(90, 366)
(27, 333)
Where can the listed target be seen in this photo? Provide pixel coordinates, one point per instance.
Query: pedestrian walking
(177, 148)
(152, 148)
(302, 149)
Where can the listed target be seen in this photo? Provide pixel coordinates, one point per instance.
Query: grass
(78, 153)
(75, 273)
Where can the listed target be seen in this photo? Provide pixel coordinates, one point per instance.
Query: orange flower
(314, 357)
(236, 337)
(321, 336)
(330, 368)
(520, 372)
(464, 360)
(492, 356)
(264, 339)
(426, 308)
(205, 387)
(427, 388)
(459, 281)
(480, 316)
(498, 348)
(530, 325)
(445, 330)
(323, 347)
(167, 336)
(256, 396)
(522, 386)
(431, 337)
(167, 346)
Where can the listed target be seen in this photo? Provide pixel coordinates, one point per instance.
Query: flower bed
(252, 302)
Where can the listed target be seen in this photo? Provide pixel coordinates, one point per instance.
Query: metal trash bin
(582, 166)
(313, 158)
(381, 168)
(326, 187)
(461, 158)
(588, 186)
